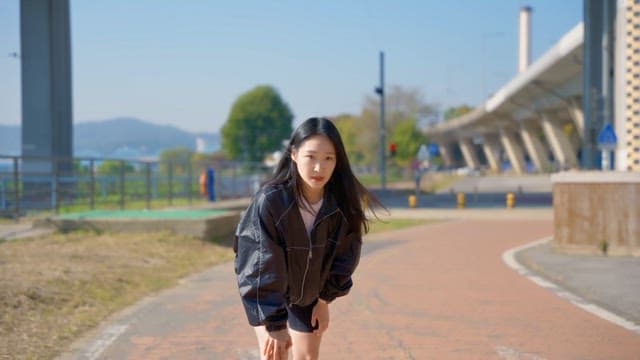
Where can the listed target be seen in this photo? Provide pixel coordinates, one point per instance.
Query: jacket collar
(329, 203)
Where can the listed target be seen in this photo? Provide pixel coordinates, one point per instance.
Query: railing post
(92, 186)
(56, 185)
(189, 182)
(148, 184)
(16, 189)
(234, 179)
(122, 184)
(170, 182)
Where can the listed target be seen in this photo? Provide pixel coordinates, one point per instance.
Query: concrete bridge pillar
(560, 145)
(514, 151)
(491, 150)
(446, 153)
(45, 52)
(537, 152)
(575, 111)
(469, 154)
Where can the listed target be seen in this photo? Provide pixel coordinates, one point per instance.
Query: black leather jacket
(277, 263)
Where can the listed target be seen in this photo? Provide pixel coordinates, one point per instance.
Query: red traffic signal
(392, 149)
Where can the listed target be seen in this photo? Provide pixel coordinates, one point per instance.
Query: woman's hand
(277, 345)
(320, 316)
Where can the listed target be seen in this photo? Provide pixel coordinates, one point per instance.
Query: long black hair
(352, 197)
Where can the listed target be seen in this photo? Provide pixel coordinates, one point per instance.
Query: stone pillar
(560, 145)
(469, 153)
(537, 152)
(514, 151)
(47, 125)
(446, 153)
(491, 150)
(596, 212)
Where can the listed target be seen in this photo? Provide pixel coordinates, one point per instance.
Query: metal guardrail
(36, 184)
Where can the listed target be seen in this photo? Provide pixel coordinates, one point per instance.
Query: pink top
(309, 217)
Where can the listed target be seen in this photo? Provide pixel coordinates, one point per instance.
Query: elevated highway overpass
(543, 101)
(544, 120)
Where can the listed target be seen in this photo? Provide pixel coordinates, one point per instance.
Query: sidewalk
(436, 291)
(612, 283)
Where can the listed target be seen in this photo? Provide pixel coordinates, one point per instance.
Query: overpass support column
(514, 151)
(469, 154)
(575, 111)
(535, 149)
(47, 126)
(446, 153)
(562, 150)
(492, 153)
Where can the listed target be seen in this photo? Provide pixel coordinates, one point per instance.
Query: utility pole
(380, 91)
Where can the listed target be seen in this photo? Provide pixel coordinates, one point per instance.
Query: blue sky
(185, 62)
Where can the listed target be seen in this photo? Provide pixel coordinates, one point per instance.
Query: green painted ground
(143, 214)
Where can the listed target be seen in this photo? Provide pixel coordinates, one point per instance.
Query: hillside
(119, 137)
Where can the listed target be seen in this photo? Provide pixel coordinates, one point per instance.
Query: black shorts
(300, 317)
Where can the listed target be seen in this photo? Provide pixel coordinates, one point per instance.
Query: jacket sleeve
(260, 267)
(344, 264)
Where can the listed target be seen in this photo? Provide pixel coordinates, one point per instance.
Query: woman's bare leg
(306, 346)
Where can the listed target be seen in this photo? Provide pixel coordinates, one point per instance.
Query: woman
(299, 242)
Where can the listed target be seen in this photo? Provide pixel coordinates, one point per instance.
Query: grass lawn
(395, 224)
(54, 288)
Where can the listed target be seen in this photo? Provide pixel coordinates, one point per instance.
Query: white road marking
(513, 354)
(509, 258)
(103, 342)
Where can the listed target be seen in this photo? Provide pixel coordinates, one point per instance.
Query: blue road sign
(434, 150)
(607, 138)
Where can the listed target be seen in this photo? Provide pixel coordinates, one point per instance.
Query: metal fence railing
(36, 184)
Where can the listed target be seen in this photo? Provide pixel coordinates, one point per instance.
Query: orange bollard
(511, 200)
(461, 200)
(413, 201)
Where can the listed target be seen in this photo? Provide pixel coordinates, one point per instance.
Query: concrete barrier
(215, 227)
(597, 212)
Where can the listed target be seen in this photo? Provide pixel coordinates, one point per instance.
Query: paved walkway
(439, 291)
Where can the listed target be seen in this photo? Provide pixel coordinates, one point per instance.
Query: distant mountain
(120, 138)
(110, 137)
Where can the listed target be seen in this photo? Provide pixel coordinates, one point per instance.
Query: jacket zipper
(306, 270)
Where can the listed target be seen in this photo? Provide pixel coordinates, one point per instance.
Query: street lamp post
(380, 92)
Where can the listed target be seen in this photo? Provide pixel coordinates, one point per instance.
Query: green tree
(456, 111)
(401, 104)
(349, 132)
(80, 167)
(258, 123)
(112, 167)
(408, 139)
(179, 159)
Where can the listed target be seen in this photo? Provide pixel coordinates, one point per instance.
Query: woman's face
(315, 160)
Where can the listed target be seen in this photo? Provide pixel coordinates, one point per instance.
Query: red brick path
(432, 292)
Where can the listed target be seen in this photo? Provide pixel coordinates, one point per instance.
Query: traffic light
(392, 149)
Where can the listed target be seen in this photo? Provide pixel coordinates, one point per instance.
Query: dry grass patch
(54, 288)
(377, 226)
